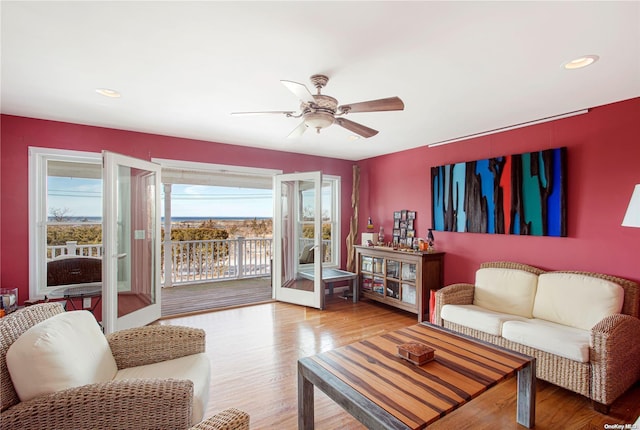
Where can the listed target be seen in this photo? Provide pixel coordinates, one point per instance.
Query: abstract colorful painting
(521, 194)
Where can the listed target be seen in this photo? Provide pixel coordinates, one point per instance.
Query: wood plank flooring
(254, 352)
(184, 299)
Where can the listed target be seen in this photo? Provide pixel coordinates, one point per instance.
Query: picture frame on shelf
(411, 214)
(410, 224)
(396, 223)
(396, 215)
(403, 214)
(411, 233)
(396, 232)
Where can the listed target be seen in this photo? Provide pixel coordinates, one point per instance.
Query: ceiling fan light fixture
(318, 120)
(581, 62)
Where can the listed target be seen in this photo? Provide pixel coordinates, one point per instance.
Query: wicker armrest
(152, 344)
(614, 356)
(229, 419)
(134, 403)
(454, 294)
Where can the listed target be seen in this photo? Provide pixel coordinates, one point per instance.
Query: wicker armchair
(124, 404)
(613, 365)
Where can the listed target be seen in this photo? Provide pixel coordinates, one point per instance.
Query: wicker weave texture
(152, 344)
(614, 351)
(229, 419)
(125, 404)
(560, 371)
(614, 357)
(454, 294)
(134, 403)
(11, 327)
(512, 265)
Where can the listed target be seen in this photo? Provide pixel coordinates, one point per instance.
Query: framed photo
(396, 232)
(403, 214)
(410, 224)
(403, 224)
(411, 215)
(396, 239)
(396, 215)
(396, 223)
(403, 232)
(411, 233)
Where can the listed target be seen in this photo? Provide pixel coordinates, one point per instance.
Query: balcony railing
(211, 260)
(203, 260)
(197, 260)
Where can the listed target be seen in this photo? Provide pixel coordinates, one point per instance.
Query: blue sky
(83, 197)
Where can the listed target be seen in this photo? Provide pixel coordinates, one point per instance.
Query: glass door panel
(131, 274)
(297, 274)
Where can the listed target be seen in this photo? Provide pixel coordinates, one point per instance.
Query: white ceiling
(182, 67)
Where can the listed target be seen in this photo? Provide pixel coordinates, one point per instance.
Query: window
(330, 222)
(65, 215)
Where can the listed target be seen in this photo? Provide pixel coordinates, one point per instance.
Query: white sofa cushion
(576, 300)
(478, 318)
(509, 291)
(558, 339)
(67, 350)
(193, 367)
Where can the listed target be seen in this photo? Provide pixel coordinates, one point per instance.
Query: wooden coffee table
(383, 391)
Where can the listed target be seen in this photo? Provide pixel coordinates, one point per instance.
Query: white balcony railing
(197, 260)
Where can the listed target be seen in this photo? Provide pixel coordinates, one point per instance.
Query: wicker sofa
(118, 404)
(607, 347)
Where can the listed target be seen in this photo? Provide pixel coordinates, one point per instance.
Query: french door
(297, 233)
(131, 240)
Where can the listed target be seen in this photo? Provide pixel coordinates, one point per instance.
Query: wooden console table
(399, 278)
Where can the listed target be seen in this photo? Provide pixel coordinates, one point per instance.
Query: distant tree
(60, 214)
(259, 228)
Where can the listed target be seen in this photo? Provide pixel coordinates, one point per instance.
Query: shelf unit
(399, 278)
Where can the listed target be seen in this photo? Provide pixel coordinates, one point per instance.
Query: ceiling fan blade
(391, 103)
(298, 131)
(356, 128)
(286, 112)
(300, 91)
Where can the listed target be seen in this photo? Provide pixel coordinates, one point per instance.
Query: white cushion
(509, 291)
(557, 339)
(476, 317)
(67, 350)
(193, 367)
(576, 300)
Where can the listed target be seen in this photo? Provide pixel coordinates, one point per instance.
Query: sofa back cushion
(508, 291)
(576, 300)
(67, 350)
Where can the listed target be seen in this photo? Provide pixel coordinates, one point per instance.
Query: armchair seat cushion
(557, 339)
(477, 317)
(65, 351)
(192, 367)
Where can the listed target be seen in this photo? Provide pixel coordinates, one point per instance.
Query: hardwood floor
(254, 352)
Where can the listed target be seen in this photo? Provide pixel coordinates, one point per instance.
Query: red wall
(19, 133)
(603, 167)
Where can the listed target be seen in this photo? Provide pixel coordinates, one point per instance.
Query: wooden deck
(193, 298)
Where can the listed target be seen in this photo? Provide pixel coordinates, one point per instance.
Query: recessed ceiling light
(581, 62)
(108, 93)
(354, 137)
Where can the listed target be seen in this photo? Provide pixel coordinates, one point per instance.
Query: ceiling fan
(320, 111)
